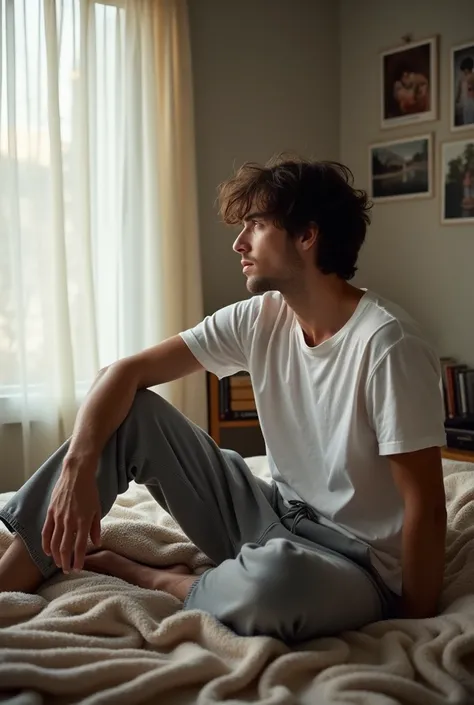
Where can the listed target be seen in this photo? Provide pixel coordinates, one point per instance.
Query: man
(352, 528)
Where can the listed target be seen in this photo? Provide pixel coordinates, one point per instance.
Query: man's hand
(74, 514)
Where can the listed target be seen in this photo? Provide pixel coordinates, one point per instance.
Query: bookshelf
(458, 394)
(458, 388)
(216, 424)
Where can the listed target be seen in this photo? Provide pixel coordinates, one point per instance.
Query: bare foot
(175, 579)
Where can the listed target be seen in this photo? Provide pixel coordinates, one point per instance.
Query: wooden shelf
(465, 456)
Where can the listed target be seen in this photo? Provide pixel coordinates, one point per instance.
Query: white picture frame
(409, 83)
(457, 194)
(461, 116)
(395, 168)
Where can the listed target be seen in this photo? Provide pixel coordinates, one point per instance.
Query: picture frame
(457, 182)
(462, 87)
(409, 83)
(401, 169)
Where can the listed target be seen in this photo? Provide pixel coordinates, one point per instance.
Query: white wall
(266, 80)
(410, 257)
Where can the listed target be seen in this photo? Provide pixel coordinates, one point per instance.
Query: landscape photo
(401, 169)
(458, 182)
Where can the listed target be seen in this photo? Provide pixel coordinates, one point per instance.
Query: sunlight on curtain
(94, 250)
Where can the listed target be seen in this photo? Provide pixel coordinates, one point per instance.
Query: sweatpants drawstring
(299, 510)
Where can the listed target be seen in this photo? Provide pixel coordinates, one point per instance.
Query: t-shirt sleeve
(404, 398)
(221, 342)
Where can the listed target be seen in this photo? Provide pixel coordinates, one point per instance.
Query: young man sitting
(352, 527)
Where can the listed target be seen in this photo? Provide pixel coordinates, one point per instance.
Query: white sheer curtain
(98, 219)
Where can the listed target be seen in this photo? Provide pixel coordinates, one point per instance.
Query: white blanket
(98, 640)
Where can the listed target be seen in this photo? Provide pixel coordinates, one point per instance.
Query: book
(446, 362)
(469, 385)
(241, 393)
(224, 404)
(457, 369)
(450, 393)
(462, 392)
(242, 405)
(241, 379)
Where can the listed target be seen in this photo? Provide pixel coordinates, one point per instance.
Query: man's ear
(308, 237)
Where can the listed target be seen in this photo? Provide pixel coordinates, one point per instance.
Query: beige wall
(266, 79)
(409, 256)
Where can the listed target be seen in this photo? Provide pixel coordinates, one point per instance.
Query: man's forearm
(423, 560)
(104, 409)
(112, 395)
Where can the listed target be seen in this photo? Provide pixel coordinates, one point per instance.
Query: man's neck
(323, 306)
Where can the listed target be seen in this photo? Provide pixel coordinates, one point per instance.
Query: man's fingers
(56, 539)
(66, 547)
(95, 530)
(47, 534)
(80, 548)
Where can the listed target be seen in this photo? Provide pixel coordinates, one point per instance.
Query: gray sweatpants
(278, 571)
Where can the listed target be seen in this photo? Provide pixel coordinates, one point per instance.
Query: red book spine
(451, 397)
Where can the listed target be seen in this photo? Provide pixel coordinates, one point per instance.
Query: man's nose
(240, 244)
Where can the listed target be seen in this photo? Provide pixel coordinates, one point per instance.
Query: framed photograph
(409, 83)
(401, 169)
(457, 188)
(462, 87)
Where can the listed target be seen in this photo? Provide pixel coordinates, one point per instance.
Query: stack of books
(458, 388)
(236, 398)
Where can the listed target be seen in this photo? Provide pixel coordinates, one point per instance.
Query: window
(99, 252)
(63, 247)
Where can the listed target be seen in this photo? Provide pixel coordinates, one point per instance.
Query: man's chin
(259, 285)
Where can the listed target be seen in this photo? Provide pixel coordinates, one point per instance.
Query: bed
(97, 640)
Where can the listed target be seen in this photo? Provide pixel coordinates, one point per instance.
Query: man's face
(269, 256)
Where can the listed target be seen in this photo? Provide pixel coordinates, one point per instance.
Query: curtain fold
(99, 250)
(178, 188)
(60, 327)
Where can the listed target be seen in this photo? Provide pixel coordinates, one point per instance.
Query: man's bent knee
(254, 594)
(145, 400)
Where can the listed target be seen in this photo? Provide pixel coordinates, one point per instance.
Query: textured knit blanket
(98, 640)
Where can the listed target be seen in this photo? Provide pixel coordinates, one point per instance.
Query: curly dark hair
(298, 193)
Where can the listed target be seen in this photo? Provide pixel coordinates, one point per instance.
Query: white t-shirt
(330, 414)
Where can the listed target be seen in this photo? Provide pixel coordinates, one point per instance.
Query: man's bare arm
(419, 478)
(74, 511)
(113, 392)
